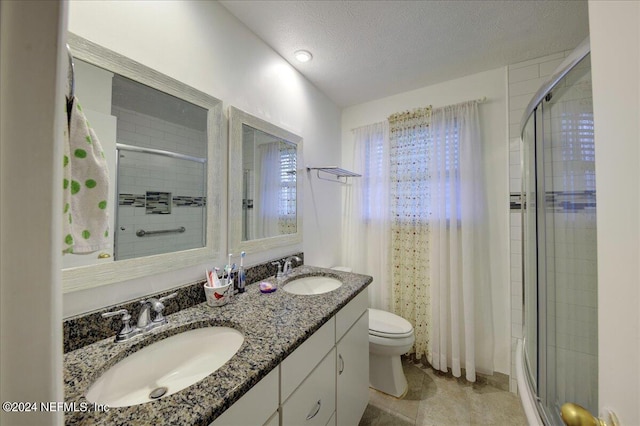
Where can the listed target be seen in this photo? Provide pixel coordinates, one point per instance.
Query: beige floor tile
(435, 398)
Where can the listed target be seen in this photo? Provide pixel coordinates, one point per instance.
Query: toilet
(389, 337)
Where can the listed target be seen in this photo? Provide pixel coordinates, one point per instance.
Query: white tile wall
(143, 130)
(140, 172)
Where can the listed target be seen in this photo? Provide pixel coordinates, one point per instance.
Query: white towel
(86, 187)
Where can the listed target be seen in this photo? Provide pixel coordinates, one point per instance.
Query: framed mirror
(265, 192)
(164, 149)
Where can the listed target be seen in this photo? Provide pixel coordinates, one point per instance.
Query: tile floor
(435, 398)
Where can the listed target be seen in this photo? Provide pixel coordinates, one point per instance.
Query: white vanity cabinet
(352, 364)
(352, 382)
(259, 406)
(323, 382)
(307, 380)
(313, 403)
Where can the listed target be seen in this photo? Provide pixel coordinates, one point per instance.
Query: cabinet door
(332, 421)
(314, 402)
(256, 407)
(305, 358)
(352, 371)
(348, 315)
(274, 420)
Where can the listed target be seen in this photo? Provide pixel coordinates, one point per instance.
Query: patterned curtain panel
(409, 194)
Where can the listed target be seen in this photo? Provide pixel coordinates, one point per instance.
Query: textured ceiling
(365, 50)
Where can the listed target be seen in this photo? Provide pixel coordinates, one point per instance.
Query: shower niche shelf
(339, 174)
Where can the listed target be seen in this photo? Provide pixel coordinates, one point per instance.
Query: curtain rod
(479, 100)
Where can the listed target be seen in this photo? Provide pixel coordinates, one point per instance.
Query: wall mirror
(265, 193)
(163, 143)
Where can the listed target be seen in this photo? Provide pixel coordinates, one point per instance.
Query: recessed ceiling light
(303, 55)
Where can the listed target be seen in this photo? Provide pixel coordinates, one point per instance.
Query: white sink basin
(312, 285)
(172, 364)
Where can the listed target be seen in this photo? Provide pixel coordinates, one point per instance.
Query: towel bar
(334, 170)
(143, 233)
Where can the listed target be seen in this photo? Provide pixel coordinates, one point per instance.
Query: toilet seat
(390, 335)
(387, 325)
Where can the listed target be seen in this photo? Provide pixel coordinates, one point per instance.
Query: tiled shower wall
(140, 173)
(524, 79)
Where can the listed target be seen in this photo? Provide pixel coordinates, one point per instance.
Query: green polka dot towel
(85, 188)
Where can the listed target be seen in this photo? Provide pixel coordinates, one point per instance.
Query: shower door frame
(535, 111)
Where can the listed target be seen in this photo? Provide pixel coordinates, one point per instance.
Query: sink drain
(158, 392)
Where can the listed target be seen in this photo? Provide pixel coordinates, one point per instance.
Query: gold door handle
(575, 415)
(104, 256)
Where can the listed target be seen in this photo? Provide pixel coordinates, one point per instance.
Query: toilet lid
(386, 324)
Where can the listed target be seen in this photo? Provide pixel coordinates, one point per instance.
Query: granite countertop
(273, 325)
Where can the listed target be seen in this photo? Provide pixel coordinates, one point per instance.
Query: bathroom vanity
(304, 360)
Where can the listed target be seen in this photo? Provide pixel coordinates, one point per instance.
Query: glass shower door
(567, 263)
(560, 247)
(530, 241)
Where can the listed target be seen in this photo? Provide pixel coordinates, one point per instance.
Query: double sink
(181, 360)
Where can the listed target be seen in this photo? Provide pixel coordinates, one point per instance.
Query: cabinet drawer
(256, 406)
(351, 312)
(303, 360)
(314, 402)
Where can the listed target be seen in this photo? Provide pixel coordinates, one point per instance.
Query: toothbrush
(241, 275)
(228, 268)
(207, 274)
(216, 280)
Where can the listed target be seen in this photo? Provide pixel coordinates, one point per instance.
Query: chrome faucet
(144, 317)
(145, 323)
(280, 272)
(287, 264)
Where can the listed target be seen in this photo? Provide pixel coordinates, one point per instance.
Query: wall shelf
(336, 171)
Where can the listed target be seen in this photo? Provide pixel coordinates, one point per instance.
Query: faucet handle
(158, 306)
(167, 297)
(123, 312)
(126, 318)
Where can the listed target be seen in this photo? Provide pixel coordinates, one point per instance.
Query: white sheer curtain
(416, 221)
(462, 327)
(365, 243)
(268, 200)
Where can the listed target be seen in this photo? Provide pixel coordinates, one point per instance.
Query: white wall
(493, 116)
(204, 46)
(615, 59)
(32, 117)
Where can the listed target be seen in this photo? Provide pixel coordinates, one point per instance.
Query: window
(287, 199)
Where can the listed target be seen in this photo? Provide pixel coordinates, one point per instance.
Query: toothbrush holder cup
(218, 296)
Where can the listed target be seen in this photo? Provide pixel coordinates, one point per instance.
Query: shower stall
(558, 360)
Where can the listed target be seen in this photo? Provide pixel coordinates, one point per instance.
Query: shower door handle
(575, 415)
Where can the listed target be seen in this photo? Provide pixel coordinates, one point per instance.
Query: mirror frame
(236, 119)
(85, 277)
